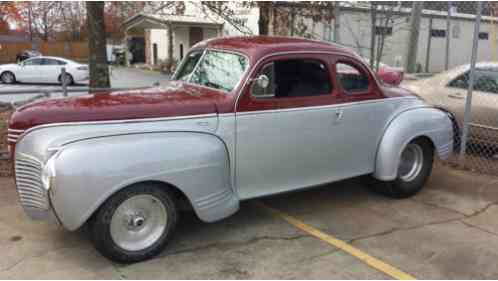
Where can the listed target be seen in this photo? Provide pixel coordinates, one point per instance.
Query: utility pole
(337, 22)
(428, 51)
(411, 56)
(373, 22)
(447, 54)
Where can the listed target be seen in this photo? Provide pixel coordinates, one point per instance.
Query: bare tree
(99, 70)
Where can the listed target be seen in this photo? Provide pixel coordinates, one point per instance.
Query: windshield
(215, 69)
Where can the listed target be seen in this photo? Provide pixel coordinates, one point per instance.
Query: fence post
(468, 98)
(64, 81)
(447, 54)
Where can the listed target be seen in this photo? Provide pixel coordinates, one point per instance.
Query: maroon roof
(259, 46)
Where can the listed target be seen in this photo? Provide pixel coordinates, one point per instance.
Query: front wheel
(415, 167)
(8, 77)
(134, 224)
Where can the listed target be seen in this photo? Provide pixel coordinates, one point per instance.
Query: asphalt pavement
(338, 231)
(121, 77)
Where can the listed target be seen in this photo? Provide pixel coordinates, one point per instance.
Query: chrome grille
(13, 135)
(28, 180)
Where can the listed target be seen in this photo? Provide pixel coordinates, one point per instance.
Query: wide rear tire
(135, 224)
(413, 172)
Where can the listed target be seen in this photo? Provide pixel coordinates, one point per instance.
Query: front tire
(8, 77)
(135, 224)
(413, 172)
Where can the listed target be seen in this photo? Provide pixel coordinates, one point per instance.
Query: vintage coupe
(244, 117)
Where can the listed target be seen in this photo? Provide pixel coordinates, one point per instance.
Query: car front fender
(408, 125)
(89, 171)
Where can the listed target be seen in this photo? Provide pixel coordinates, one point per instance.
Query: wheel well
(180, 197)
(60, 76)
(7, 71)
(426, 139)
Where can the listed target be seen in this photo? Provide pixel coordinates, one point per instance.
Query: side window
(461, 81)
(52, 62)
(485, 81)
(295, 78)
(33, 62)
(353, 80)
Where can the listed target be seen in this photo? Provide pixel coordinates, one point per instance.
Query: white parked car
(43, 70)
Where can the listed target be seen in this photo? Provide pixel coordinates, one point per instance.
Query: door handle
(338, 115)
(456, 96)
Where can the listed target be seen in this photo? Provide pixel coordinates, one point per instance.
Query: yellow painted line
(364, 257)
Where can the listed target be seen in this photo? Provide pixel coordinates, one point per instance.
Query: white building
(354, 32)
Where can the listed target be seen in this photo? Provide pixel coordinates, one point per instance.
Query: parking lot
(121, 77)
(447, 231)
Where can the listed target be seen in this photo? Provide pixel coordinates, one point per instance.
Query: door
(30, 70)
(195, 35)
(154, 53)
(366, 112)
(51, 70)
(287, 133)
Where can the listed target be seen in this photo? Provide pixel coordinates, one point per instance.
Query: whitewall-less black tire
(413, 172)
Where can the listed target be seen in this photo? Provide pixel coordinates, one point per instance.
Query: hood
(9, 65)
(174, 99)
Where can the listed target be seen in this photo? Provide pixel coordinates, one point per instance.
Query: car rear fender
(89, 171)
(406, 126)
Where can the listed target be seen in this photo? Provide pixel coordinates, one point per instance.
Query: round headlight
(48, 174)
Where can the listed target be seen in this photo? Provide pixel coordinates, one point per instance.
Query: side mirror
(263, 81)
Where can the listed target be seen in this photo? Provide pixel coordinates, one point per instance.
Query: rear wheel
(69, 79)
(135, 224)
(415, 167)
(8, 77)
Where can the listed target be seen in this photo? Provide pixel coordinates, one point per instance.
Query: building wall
(355, 33)
(159, 37)
(181, 36)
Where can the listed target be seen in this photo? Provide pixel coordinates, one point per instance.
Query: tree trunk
(264, 18)
(411, 57)
(99, 70)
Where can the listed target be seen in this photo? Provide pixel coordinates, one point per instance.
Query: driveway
(339, 231)
(121, 77)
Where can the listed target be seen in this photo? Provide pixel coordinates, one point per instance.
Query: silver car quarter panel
(90, 171)
(406, 126)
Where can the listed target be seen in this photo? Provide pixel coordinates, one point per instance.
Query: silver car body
(217, 160)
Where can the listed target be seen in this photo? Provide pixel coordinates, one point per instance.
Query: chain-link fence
(446, 52)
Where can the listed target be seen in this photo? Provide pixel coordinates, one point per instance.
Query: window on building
(383, 30)
(438, 33)
(483, 35)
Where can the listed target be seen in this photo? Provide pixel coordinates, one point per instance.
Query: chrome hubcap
(411, 163)
(138, 222)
